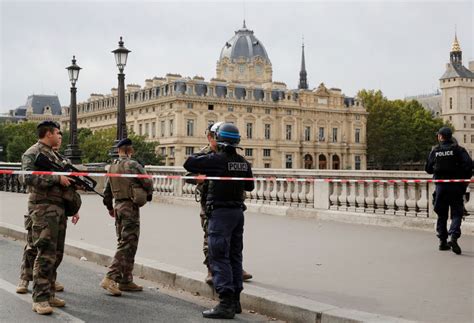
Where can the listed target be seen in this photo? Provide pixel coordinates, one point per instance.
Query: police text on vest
(235, 166)
(444, 153)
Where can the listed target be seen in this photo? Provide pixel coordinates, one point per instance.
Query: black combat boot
(444, 245)
(454, 246)
(237, 306)
(224, 310)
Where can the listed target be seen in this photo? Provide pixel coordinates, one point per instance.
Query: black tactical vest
(446, 161)
(229, 193)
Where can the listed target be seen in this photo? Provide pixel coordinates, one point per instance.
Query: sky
(399, 47)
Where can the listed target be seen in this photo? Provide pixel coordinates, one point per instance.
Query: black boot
(237, 306)
(224, 310)
(444, 245)
(454, 246)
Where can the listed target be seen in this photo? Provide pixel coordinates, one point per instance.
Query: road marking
(59, 314)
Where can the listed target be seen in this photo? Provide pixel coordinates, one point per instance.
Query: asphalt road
(87, 302)
(390, 271)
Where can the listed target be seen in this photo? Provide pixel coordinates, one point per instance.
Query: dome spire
(455, 47)
(244, 26)
(456, 53)
(303, 82)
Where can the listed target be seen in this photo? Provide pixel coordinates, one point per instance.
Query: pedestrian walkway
(381, 270)
(87, 302)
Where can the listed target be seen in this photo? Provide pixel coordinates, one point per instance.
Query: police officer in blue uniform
(225, 205)
(448, 160)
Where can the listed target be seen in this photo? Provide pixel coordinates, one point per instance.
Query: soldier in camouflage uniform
(30, 252)
(202, 187)
(129, 195)
(46, 209)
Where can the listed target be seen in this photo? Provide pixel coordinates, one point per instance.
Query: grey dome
(244, 44)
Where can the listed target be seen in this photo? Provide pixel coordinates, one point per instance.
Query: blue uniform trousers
(449, 195)
(226, 228)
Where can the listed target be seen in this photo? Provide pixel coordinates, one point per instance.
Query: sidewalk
(380, 270)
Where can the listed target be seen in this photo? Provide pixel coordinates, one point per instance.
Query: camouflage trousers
(48, 233)
(127, 226)
(205, 247)
(30, 252)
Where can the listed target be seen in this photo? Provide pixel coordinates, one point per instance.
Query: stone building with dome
(281, 127)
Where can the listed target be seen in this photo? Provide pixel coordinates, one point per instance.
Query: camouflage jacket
(131, 167)
(38, 182)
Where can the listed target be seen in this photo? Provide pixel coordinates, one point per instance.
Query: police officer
(202, 188)
(448, 160)
(46, 208)
(30, 252)
(225, 206)
(129, 194)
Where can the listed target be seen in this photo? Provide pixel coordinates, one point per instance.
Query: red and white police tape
(270, 179)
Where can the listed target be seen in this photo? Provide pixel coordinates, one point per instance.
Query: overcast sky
(398, 47)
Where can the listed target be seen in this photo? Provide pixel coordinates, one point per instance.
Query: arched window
(308, 161)
(322, 164)
(335, 162)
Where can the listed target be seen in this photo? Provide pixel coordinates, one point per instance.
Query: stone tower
(457, 96)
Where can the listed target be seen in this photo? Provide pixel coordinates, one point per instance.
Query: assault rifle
(46, 164)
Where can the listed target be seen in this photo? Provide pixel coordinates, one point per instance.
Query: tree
(16, 138)
(145, 152)
(82, 134)
(96, 147)
(398, 131)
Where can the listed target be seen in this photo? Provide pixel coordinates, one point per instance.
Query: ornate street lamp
(121, 54)
(72, 151)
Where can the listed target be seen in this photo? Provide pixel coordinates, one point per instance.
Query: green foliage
(96, 147)
(398, 131)
(16, 138)
(145, 151)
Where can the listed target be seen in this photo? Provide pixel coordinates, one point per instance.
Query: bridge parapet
(360, 195)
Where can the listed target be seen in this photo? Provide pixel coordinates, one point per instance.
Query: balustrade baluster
(400, 202)
(411, 201)
(422, 202)
(334, 187)
(380, 199)
(360, 198)
(390, 199)
(370, 198)
(351, 197)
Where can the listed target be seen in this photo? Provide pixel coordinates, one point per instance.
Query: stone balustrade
(11, 183)
(378, 197)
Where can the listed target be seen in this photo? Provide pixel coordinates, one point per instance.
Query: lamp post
(121, 54)
(72, 151)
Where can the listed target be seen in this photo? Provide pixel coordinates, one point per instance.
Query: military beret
(446, 132)
(124, 142)
(48, 123)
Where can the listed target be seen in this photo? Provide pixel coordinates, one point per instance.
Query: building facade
(316, 128)
(38, 107)
(457, 96)
(430, 101)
